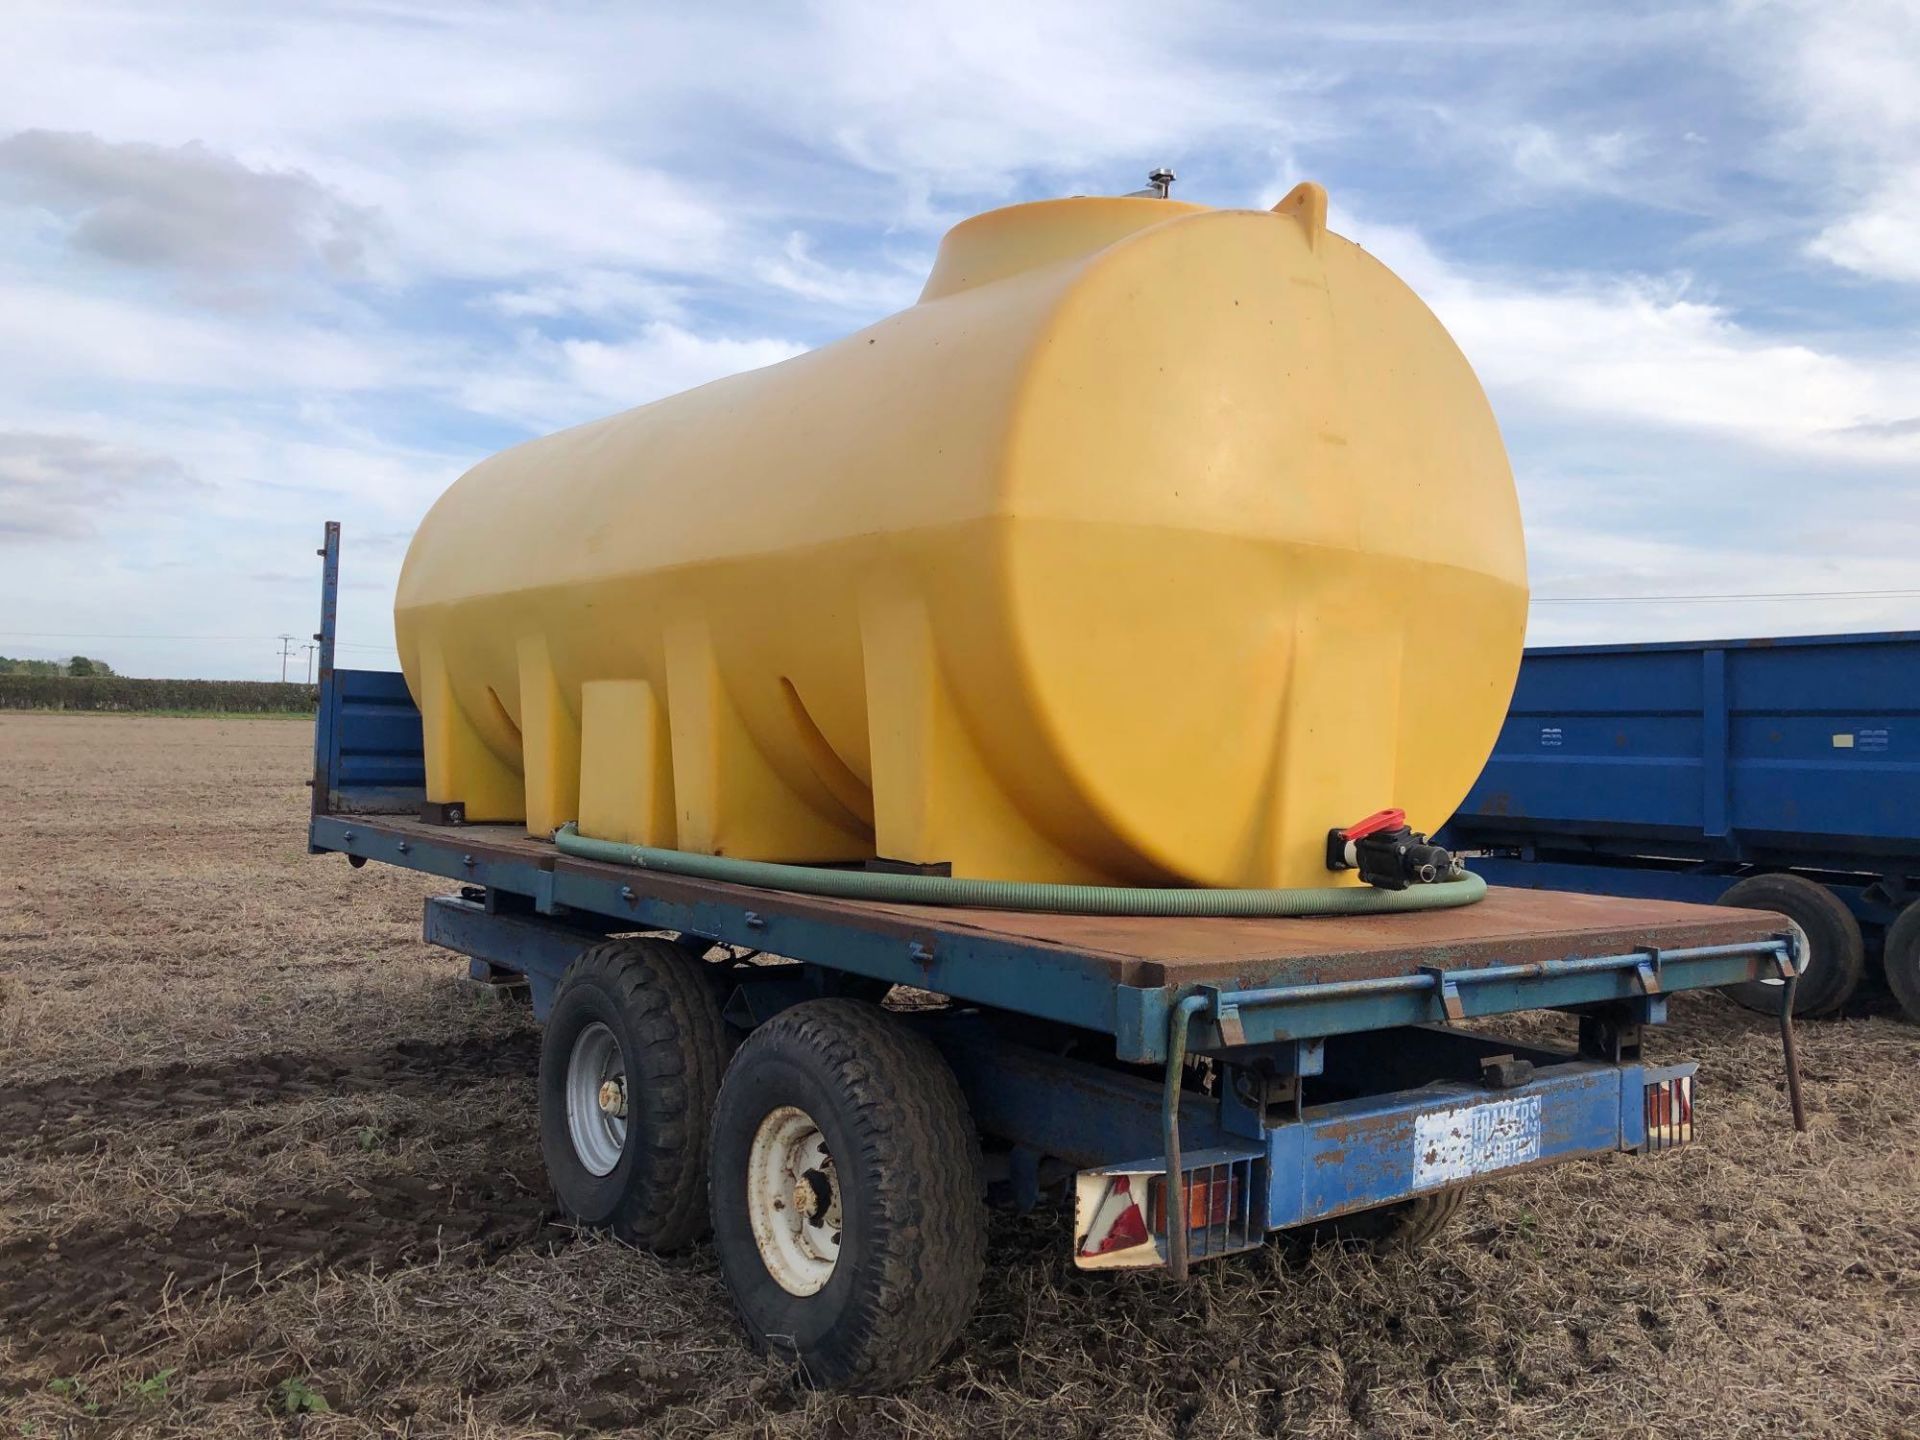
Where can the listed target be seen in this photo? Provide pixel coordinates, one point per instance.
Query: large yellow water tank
(1153, 541)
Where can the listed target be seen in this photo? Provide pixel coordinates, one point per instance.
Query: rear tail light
(1669, 1112)
(1211, 1200)
(1120, 1216)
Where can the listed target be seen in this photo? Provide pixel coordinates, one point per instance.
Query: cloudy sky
(263, 266)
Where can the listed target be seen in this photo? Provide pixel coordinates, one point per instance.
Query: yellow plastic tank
(1152, 542)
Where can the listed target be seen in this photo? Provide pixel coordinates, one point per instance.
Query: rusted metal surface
(1509, 927)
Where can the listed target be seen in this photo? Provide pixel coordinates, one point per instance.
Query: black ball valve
(1388, 853)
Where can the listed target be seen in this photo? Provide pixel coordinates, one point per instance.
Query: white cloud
(873, 292)
(50, 334)
(62, 487)
(1665, 448)
(1642, 350)
(508, 209)
(968, 95)
(488, 139)
(184, 208)
(596, 293)
(1602, 162)
(564, 382)
(1882, 237)
(1850, 70)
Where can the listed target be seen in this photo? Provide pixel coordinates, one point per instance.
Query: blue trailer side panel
(1801, 751)
(373, 760)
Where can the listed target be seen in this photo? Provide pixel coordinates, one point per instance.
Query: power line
(1747, 595)
(102, 635)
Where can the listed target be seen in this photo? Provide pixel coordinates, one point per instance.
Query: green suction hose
(1021, 895)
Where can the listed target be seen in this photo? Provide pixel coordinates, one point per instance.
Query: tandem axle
(1397, 1114)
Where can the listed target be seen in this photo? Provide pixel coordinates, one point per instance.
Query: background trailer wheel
(629, 1067)
(846, 1194)
(1903, 960)
(1408, 1224)
(1836, 953)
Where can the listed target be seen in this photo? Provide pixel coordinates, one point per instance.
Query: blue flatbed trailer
(1270, 1073)
(1778, 772)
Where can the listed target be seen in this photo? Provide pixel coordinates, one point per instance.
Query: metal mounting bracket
(1226, 1016)
(1449, 993)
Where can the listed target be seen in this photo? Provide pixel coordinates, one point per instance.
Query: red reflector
(1120, 1212)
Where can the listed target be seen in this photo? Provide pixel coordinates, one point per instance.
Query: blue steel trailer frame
(1328, 1096)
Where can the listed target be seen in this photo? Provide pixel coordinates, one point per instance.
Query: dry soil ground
(257, 1146)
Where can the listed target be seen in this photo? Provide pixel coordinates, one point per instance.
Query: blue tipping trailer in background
(1779, 773)
(1185, 1085)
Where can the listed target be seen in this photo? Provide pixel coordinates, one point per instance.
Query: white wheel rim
(793, 1201)
(597, 1099)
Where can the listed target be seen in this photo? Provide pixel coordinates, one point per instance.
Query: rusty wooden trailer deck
(1120, 975)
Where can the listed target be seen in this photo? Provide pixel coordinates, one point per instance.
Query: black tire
(906, 1164)
(1837, 955)
(1902, 956)
(665, 1017)
(1404, 1225)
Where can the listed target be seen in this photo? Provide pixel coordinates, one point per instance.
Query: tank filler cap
(1159, 183)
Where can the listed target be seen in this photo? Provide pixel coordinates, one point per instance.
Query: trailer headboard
(368, 755)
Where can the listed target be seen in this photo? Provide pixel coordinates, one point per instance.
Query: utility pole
(309, 647)
(286, 654)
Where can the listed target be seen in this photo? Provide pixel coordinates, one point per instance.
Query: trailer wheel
(846, 1193)
(1836, 953)
(1902, 958)
(1404, 1225)
(629, 1067)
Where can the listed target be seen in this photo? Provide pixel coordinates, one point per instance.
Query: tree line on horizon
(20, 690)
(79, 666)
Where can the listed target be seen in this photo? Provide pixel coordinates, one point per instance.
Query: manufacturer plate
(1470, 1140)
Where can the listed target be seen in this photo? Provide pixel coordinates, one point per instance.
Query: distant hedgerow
(121, 692)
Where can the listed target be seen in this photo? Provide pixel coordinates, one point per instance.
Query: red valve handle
(1374, 823)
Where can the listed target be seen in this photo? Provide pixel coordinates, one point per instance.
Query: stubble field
(267, 1168)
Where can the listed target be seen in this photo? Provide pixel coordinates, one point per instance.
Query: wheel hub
(813, 1196)
(613, 1097)
(793, 1201)
(597, 1099)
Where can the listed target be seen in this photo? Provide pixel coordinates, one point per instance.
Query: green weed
(301, 1397)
